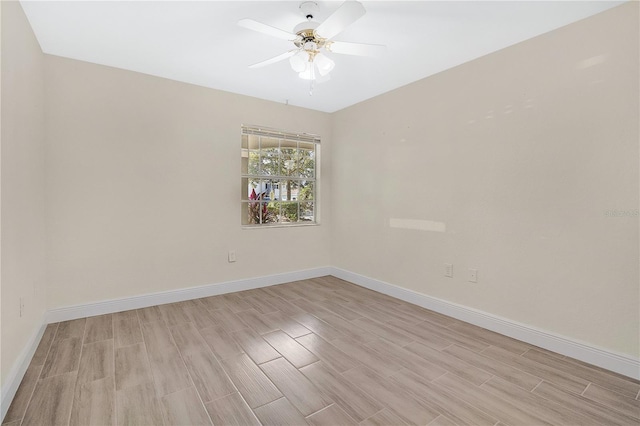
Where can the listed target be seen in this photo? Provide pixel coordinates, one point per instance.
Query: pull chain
(312, 81)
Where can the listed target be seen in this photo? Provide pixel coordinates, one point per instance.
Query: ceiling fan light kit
(325, 65)
(312, 40)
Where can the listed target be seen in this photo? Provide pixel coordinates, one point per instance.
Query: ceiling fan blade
(266, 29)
(359, 49)
(275, 59)
(347, 14)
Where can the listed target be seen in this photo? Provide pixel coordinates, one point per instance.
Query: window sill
(280, 225)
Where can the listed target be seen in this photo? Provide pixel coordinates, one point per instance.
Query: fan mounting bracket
(309, 9)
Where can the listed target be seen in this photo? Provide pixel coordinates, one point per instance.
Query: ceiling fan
(312, 40)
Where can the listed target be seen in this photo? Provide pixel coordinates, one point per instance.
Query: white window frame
(282, 136)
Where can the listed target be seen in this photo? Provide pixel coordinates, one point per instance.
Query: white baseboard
(12, 381)
(619, 363)
(171, 296)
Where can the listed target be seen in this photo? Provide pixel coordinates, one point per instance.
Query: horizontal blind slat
(266, 132)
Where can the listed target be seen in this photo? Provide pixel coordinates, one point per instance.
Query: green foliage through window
(278, 177)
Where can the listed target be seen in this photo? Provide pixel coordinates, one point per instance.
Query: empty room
(320, 213)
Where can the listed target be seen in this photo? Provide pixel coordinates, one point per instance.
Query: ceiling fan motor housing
(307, 38)
(309, 9)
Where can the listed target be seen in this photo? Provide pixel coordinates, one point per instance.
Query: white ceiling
(199, 42)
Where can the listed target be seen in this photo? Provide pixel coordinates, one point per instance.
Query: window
(278, 177)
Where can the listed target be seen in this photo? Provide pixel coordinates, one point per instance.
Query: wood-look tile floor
(319, 352)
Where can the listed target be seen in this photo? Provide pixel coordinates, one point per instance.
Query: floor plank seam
(536, 386)
(53, 339)
(73, 400)
(473, 373)
(31, 394)
(193, 384)
(153, 376)
(374, 414)
(219, 361)
(115, 390)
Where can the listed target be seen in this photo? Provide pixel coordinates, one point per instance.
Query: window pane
(258, 189)
(244, 189)
(307, 212)
(244, 213)
(289, 189)
(270, 187)
(254, 142)
(269, 143)
(306, 146)
(306, 190)
(254, 162)
(250, 213)
(282, 195)
(244, 161)
(266, 214)
(275, 207)
(272, 212)
(307, 160)
(269, 158)
(253, 189)
(245, 142)
(289, 212)
(289, 158)
(257, 212)
(294, 185)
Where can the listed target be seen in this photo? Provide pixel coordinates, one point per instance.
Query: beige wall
(144, 191)
(22, 184)
(520, 153)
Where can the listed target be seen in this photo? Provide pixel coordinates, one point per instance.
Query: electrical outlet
(473, 275)
(232, 256)
(448, 270)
